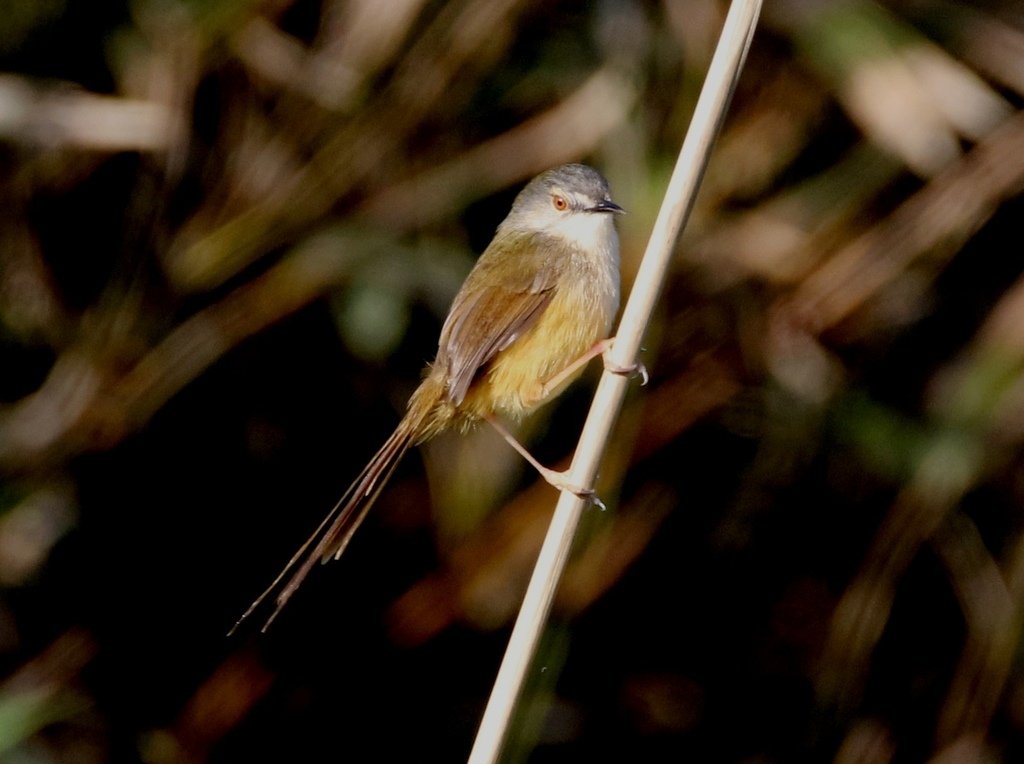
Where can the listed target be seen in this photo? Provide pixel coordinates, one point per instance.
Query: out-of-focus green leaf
(26, 712)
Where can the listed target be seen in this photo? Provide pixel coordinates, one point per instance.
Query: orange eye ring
(559, 203)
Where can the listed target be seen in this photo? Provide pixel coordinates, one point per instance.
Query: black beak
(606, 205)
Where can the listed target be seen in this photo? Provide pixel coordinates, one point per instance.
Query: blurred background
(229, 234)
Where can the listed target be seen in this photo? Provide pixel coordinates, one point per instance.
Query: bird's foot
(560, 480)
(636, 369)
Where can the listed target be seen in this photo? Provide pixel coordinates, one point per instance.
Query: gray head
(571, 201)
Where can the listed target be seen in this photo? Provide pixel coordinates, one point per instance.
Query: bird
(536, 307)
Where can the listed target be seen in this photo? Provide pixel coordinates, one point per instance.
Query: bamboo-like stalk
(678, 201)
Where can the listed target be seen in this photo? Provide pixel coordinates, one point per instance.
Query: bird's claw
(560, 481)
(587, 494)
(635, 370)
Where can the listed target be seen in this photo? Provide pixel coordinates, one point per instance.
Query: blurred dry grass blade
(572, 128)
(69, 118)
(274, 56)
(218, 705)
(41, 692)
(868, 742)
(359, 38)
(966, 410)
(969, 105)
(908, 95)
(934, 222)
(983, 387)
(765, 138)
(994, 621)
(34, 429)
(966, 750)
(614, 547)
(83, 406)
(944, 474)
(30, 307)
(981, 39)
(973, 392)
(783, 238)
(1003, 330)
(886, 99)
(484, 582)
(441, 64)
(30, 529)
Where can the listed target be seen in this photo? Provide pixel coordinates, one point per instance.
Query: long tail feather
(334, 533)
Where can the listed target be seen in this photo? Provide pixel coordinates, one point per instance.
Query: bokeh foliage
(230, 233)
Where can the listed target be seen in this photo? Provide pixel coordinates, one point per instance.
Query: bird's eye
(559, 202)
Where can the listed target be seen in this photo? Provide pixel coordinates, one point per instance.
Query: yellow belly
(513, 384)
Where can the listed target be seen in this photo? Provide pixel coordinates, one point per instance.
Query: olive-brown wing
(498, 303)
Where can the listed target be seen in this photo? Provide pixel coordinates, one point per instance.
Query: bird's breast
(579, 315)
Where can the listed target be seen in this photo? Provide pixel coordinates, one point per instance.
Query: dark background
(230, 233)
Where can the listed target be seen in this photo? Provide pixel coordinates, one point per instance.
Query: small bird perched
(537, 306)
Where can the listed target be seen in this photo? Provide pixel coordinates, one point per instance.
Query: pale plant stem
(678, 201)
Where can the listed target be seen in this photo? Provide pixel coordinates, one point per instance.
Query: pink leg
(601, 347)
(555, 478)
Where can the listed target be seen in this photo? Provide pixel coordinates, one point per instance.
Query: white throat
(593, 232)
